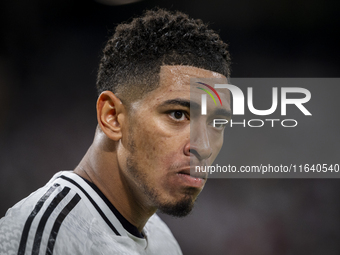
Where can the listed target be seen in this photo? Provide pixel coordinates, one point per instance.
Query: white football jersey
(70, 215)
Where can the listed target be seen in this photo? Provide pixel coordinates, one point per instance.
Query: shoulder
(67, 216)
(33, 224)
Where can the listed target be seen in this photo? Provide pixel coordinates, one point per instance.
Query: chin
(181, 208)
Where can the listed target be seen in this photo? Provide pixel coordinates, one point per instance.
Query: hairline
(156, 83)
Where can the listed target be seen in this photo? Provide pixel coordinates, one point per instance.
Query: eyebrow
(222, 112)
(182, 102)
(196, 106)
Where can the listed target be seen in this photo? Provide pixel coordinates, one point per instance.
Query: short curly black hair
(134, 54)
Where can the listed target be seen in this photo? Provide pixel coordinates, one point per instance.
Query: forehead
(179, 76)
(174, 83)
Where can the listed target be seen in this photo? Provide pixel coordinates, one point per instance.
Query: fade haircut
(133, 56)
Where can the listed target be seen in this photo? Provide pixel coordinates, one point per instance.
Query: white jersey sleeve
(71, 216)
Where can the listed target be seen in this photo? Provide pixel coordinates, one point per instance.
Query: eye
(177, 115)
(218, 125)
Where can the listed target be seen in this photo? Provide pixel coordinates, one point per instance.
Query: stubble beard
(178, 208)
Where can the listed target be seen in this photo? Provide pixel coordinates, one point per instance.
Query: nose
(199, 144)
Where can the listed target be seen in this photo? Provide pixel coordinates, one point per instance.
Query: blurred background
(49, 54)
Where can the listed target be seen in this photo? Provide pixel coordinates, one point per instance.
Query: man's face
(157, 153)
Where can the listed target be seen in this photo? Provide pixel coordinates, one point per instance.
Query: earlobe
(110, 111)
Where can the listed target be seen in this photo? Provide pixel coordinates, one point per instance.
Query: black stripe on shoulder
(108, 222)
(40, 203)
(40, 230)
(55, 229)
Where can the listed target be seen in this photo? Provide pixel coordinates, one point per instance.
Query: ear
(110, 115)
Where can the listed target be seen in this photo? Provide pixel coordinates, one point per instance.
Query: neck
(100, 166)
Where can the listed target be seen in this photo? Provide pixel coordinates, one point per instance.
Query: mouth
(191, 178)
(191, 172)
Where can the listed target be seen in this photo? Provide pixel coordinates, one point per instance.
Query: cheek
(216, 143)
(150, 143)
(156, 149)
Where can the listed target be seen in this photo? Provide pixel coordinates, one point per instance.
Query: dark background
(49, 53)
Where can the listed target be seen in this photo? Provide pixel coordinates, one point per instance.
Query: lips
(191, 171)
(191, 178)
